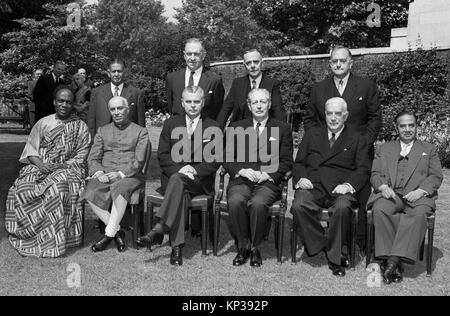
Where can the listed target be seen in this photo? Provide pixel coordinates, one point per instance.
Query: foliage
(310, 26)
(155, 118)
(13, 87)
(153, 89)
(227, 28)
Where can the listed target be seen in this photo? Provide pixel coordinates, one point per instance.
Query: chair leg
(83, 215)
(353, 239)
(293, 242)
(276, 231)
(369, 237)
(204, 229)
(430, 247)
(280, 236)
(216, 228)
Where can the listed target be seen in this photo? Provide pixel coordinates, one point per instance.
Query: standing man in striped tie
(195, 74)
(99, 114)
(236, 100)
(364, 112)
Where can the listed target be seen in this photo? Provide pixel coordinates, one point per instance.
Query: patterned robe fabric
(43, 212)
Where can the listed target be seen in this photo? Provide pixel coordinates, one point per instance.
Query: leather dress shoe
(120, 241)
(176, 257)
(152, 238)
(241, 257)
(255, 258)
(102, 244)
(397, 275)
(345, 263)
(389, 272)
(337, 270)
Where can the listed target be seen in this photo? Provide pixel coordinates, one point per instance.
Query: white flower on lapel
(360, 98)
(271, 139)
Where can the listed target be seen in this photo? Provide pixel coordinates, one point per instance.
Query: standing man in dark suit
(45, 86)
(255, 180)
(236, 100)
(31, 106)
(195, 75)
(99, 114)
(182, 180)
(364, 112)
(406, 176)
(331, 167)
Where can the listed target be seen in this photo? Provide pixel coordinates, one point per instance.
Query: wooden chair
(277, 211)
(371, 240)
(325, 217)
(198, 202)
(136, 226)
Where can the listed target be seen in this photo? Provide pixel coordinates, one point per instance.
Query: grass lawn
(140, 272)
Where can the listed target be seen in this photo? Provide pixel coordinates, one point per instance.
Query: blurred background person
(82, 97)
(31, 107)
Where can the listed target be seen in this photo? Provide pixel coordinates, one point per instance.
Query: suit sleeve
(311, 119)
(377, 179)
(205, 169)
(359, 177)
(227, 107)
(277, 108)
(135, 165)
(168, 166)
(373, 114)
(219, 92)
(169, 94)
(96, 154)
(91, 115)
(140, 109)
(435, 176)
(299, 170)
(285, 162)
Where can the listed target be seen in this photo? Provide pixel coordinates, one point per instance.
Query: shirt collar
(198, 72)
(195, 120)
(263, 123)
(113, 88)
(258, 80)
(402, 144)
(337, 134)
(345, 80)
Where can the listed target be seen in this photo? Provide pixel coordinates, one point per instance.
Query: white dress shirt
(257, 81)
(405, 148)
(344, 81)
(194, 125)
(262, 126)
(197, 75)
(113, 89)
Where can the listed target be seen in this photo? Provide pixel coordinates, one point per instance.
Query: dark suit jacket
(211, 84)
(268, 136)
(236, 100)
(424, 170)
(206, 172)
(99, 114)
(346, 162)
(362, 100)
(43, 95)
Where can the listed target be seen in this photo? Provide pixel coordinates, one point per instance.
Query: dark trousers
(399, 229)
(173, 213)
(248, 208)
(307, 207)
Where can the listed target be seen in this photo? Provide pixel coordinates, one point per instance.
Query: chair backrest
(148, 155)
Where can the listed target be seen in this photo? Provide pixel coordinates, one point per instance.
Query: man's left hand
(264, 177)
(342, 189)
(413, 196)
(112, 176)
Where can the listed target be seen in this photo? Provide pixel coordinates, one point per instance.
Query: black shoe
(120, 241)
(176, 257)
(152, 238)
(345, 263)
(337, 270)
(388, 273)
(102, 244)
(255, 258)
(241, 257)
(397, 275)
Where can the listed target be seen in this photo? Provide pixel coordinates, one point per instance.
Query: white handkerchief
(271, 139)
(210, 92)
(424, 154)
(360, 98)
(345, 149)
(206, 140)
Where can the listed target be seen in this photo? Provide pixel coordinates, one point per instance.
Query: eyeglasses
(263, 102)
(335, 61)
(189, 54)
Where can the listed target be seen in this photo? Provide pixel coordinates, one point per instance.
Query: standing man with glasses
(195, 75)
(99, 113)
(364, 112)
(236, 100)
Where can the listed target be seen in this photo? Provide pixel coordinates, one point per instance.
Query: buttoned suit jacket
(43, 95)
(346, 162)
(210, 82)
(236, 100)
(284, 148)
(206, 172)
(99, 114)
(363, 105)
(424, 171)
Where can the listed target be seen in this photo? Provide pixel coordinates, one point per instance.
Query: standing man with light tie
(99, 113)
(195, 75)
(364, 112)
(236, 100)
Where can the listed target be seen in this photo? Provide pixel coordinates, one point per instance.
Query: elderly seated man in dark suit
(331, 167)
(115, 169)
(255, 174)
(406, 176)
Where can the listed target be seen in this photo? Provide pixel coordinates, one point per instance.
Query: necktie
(190, 127)
(341, 87)
(258, 125)
(191, 79)
(332, 139)
(254, 85)
(116, 91)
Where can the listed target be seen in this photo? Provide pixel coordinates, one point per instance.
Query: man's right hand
(250, 174)
(304, 184)
(386, 191)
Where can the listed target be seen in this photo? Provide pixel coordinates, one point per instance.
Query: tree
(227, 28)
(316, 25)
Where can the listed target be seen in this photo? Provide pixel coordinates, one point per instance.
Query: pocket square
(345, 149)
(360, 98)
(210, 92)
(271, 139)
(424, 154)
(205, 140)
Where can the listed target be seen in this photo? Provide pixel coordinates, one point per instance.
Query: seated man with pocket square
(331, 167)
(406, 176)
(256, 169)
(182, 178)
(115, 169)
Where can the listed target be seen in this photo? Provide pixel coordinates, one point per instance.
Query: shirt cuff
(352, 189)
(122, 174)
